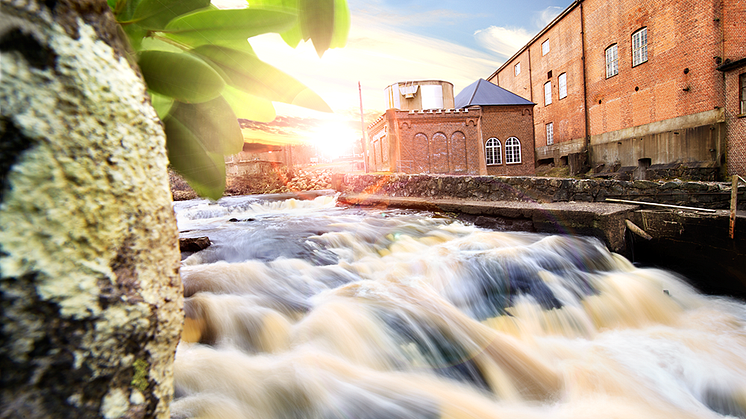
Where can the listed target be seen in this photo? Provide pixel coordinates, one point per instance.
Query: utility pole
(362, 129)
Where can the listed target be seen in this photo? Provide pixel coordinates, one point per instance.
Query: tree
(90, 296)
(202, 73)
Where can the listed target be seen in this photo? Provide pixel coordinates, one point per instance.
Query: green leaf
(155, 14)
(248, 106)
(135, 34)
(155, 44)
(211, 26)
(124, 9)
(341, 24)
(182, 76)
(212, 123)
(161, 104)
(250, 74)
(205, 171)
(317, 22)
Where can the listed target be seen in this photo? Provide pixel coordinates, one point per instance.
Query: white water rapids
(306, 309)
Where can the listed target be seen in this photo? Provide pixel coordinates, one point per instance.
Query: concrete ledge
(602, 220)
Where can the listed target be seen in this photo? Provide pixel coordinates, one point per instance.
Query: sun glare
(334, 139)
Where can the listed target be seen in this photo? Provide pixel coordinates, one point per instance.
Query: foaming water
(305, 309)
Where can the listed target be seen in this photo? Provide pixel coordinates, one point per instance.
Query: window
(562, 81)
(492, 151)
(550, 133)
(547, 93)
(612, 61)
(640, 47)
(545, 47)
(512, 150)
(517, 68)
(742, 79)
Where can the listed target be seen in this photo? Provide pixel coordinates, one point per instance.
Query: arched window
(492, 151)
(512, 150)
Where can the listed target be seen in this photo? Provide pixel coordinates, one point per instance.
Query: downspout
(530, 79)
(585, 88)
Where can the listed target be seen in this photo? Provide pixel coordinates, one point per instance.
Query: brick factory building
(484, 130)
(633, 83)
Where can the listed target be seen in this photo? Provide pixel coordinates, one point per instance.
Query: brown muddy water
(307, 309)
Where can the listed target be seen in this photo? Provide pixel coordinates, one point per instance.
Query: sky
(390, 41)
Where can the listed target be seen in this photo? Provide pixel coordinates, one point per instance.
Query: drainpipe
(585, 88)
(530, 79)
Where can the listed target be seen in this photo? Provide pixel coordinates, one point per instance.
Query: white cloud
(377, 55)
(545, 16)
(503, 41)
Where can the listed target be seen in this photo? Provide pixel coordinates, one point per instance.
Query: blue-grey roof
(484, 93)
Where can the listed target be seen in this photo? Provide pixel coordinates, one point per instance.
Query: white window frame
(562, 83)
(640, 47)
(545, 47)
(493, 152)
(512, 151)
(548, 93)
(612, 60)
(550, 133)
(517, 68)
(742, 93)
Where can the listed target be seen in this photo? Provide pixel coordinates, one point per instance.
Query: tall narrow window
(512, 150)
(550, 133)
(492, 151)
(612, 61)
(547, 93)
(639, 47)
(545, 47)
(562, 82)
(517, 68)
(742, 79)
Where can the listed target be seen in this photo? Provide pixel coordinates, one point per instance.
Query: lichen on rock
(89, 285)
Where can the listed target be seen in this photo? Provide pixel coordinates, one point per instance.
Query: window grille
(517, 69)
(550, 133)
(612, 61)
(545, 47)
(492, 151)
(562, 81)
(640, 47)
(742, 79)
(547, 93)
(512, 150)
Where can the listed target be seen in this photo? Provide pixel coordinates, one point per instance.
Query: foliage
(202, 73)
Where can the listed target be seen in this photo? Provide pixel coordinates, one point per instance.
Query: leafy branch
(202, 74)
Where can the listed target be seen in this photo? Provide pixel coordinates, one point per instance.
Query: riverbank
(276, 181)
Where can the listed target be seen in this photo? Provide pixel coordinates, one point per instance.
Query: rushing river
(307, 309)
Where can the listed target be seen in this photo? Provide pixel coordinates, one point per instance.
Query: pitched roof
(484, 93)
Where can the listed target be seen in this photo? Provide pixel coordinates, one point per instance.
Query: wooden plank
(653, 204)
(733, 207)
(637, 230)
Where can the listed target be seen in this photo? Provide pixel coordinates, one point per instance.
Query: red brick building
(489, 131)
(637, 83)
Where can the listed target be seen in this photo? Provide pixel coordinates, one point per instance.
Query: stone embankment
(714, 195)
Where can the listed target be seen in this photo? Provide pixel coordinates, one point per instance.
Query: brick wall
(687, 40)
(679, 77)
(438, 142)
(450, 141)
(735, 123)
(734, 49)
(503, 122)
